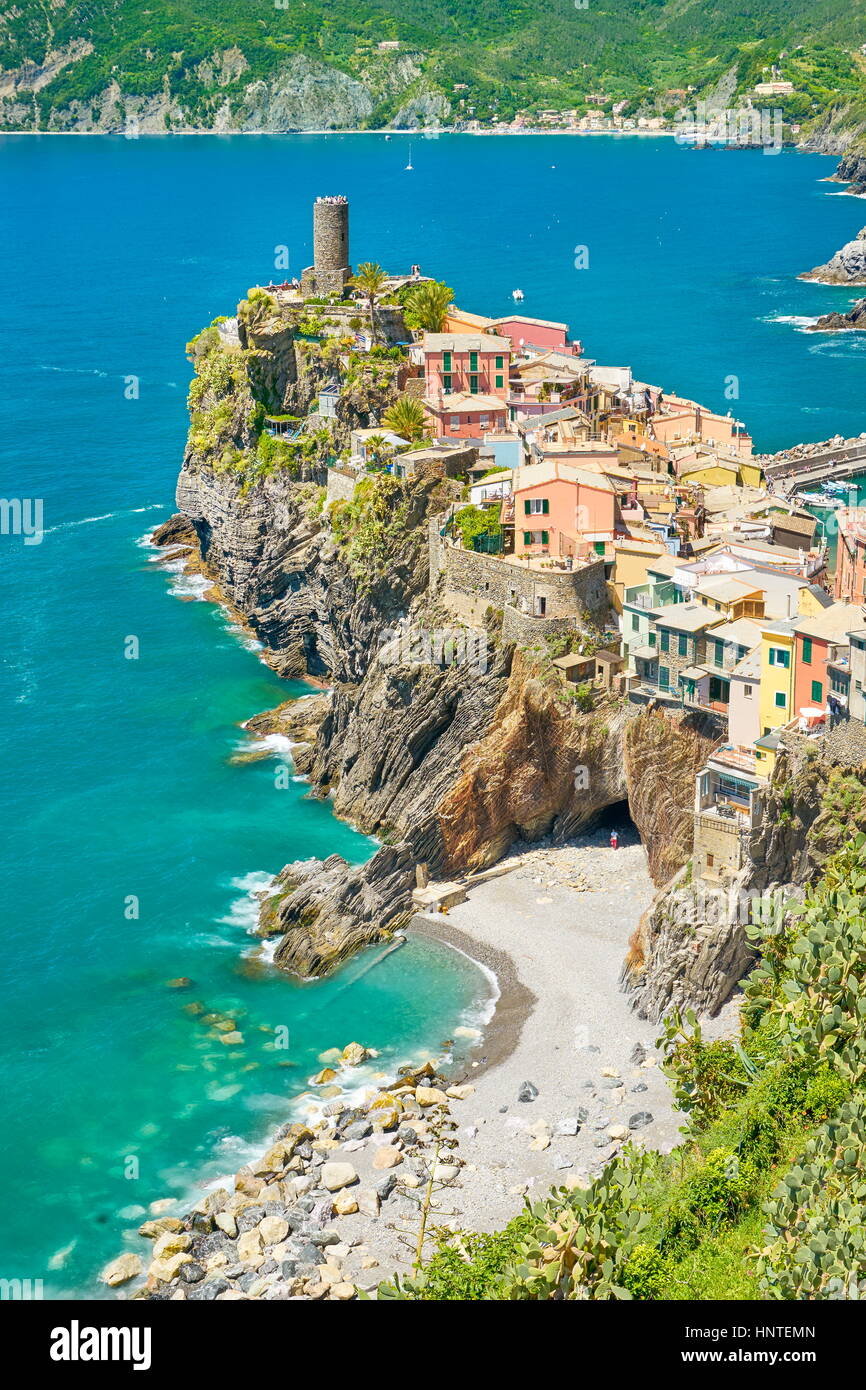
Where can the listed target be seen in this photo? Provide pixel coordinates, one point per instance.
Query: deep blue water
(115, 776)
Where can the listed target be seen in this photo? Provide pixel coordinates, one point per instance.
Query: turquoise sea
(115, 779)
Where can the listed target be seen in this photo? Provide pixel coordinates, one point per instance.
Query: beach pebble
(460, 1092)
(561, 1161)
(387, 1157)
(345, 1204)
(617, 1132)
(430, 1095)
(368, 1202)
(527, 1092)
(385, 1186)
(338, 1175)
(640, 1120)
(641, 1086)
(638, 1054)
(233, 1039)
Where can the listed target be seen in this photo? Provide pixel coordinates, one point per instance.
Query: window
(817, 692)
(455, 422)
(719, 646)
(473, 361)
(598, 547)
(527, 538)
(666, 641)
(545, 537)
(652, 639)
(635, 622)
(710, 860)
(664, 677)
(682, 645)
(446, 383)
(499, 364)
(781, 699)
(747, 691)
(807, 650)
(473, 385)
(540, 606)
(446, 361)
(780, 657)
(499, 381)
(536, 506)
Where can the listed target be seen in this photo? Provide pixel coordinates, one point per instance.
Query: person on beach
(614, 840)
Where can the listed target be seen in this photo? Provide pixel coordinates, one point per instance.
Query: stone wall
(341, 485)
(718, 852)
(569, 597)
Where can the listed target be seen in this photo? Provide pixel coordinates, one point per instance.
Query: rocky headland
(847, 267)
(852, 321)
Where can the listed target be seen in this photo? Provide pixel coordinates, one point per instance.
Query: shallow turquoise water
(115, 778)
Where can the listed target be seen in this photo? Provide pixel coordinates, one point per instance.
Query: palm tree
(370, 279)
(406, 417)
(375, 449)
(427, 306)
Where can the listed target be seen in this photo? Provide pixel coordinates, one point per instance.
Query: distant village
(608, 504)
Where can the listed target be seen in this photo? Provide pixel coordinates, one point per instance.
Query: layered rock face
(692, 947)
(847, 267)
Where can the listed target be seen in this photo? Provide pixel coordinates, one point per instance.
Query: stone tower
(330, 269)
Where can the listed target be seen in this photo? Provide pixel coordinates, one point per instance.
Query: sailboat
(409, 165)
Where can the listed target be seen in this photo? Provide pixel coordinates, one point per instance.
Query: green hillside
(501, 57)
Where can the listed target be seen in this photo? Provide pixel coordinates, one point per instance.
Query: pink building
(464, 415)
(543, 333)
(476, 363)
(559, 509)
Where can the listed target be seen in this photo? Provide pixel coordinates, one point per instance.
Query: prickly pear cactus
(816, 1234)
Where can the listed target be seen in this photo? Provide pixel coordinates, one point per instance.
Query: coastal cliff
(448, 763)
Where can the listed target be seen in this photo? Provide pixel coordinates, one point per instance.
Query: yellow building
(461, 321)
(777, 676)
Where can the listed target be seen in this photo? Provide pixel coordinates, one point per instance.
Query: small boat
(819, 499)
(836, 489)
(409, 165)
(516, 295)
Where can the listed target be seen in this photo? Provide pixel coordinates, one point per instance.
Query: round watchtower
(331, 242)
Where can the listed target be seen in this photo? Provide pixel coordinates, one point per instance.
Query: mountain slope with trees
(251, 64)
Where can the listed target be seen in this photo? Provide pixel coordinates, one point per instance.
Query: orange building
(561, 510)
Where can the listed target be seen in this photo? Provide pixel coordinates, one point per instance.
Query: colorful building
(562, 510)
(776, 704)
(851, 557)
(817, 641)
(474, 363)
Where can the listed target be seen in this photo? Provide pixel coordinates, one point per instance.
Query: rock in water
(124, 1268)
(847, 267)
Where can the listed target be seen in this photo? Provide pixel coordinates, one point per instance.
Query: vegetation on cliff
(245, 64)
(765, 1197)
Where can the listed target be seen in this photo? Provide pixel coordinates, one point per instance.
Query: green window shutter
(635, 622)
(499, 364)
(499, 381)
(664, 677)
(545, 506)
(666, 641)
(807, 650)
(682, 644)
(473, 361)
(473, 385)
(527, 538)
(545, 537)
(446, 383)
(817, 691)
(652, 639)
(598, 547)
(446, 361)
(781, 699)
(526, 507)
